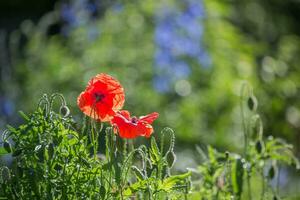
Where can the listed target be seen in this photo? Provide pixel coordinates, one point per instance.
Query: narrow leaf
(3, 151)
(237, 172)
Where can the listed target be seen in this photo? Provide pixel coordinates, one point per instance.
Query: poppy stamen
(99, 96)
(134, 120)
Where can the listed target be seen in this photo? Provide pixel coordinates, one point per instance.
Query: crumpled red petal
(130, 128)
(113, 98)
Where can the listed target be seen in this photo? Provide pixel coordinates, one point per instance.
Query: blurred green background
(185, 59)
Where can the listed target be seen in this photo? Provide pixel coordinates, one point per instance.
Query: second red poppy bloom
(132, 127)
(103, 96)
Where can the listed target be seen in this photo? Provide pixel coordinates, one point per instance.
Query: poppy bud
(138, 173)
(259, 146)
(276, 198)
(171, 158)
(64, 111)
(5, 174)
(7, 147)
(226, 155)
(252, 103)
(272, 171)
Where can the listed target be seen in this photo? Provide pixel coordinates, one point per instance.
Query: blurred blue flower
(204, 58)
(163, 35)
(196, 9)
(178, 37)
(68, 14)
(80, 13)
(161, 83)
(117, 7)
(7, 107)
(162, 59)
(91, 8)
(181, 70)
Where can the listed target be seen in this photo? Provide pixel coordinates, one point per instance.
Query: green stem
(263, 186)
(244, 127)
(245, 132)
(93, 142)
(125, 147)
(94, 138)
(249, 186)
(277, 184)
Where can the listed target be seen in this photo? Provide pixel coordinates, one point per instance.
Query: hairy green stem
(263, 186)
(249, 187)
(278, 177)
(244, 125)
(245, 132)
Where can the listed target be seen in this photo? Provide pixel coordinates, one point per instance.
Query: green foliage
(53, 159)
(227, 175)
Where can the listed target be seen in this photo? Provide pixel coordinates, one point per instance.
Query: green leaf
(24, 115)
(296, 162)
(212, 154)
(102, 192)
(172, 181)
(72, 141)
(140, 185)
(154, 151)
(237, 172)
(3, 151)
(10, 128)
(202, 155)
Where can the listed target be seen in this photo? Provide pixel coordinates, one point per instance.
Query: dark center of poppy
(98, 96)
(134, 120)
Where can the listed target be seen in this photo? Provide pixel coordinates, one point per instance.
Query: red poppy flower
(103, 96)
(132, 127)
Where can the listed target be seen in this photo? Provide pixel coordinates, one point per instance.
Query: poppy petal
(125, 113)
(149, 118)
(125, 127)
(144, 129)
(84, 101)
(132, 127)
(102, 97)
